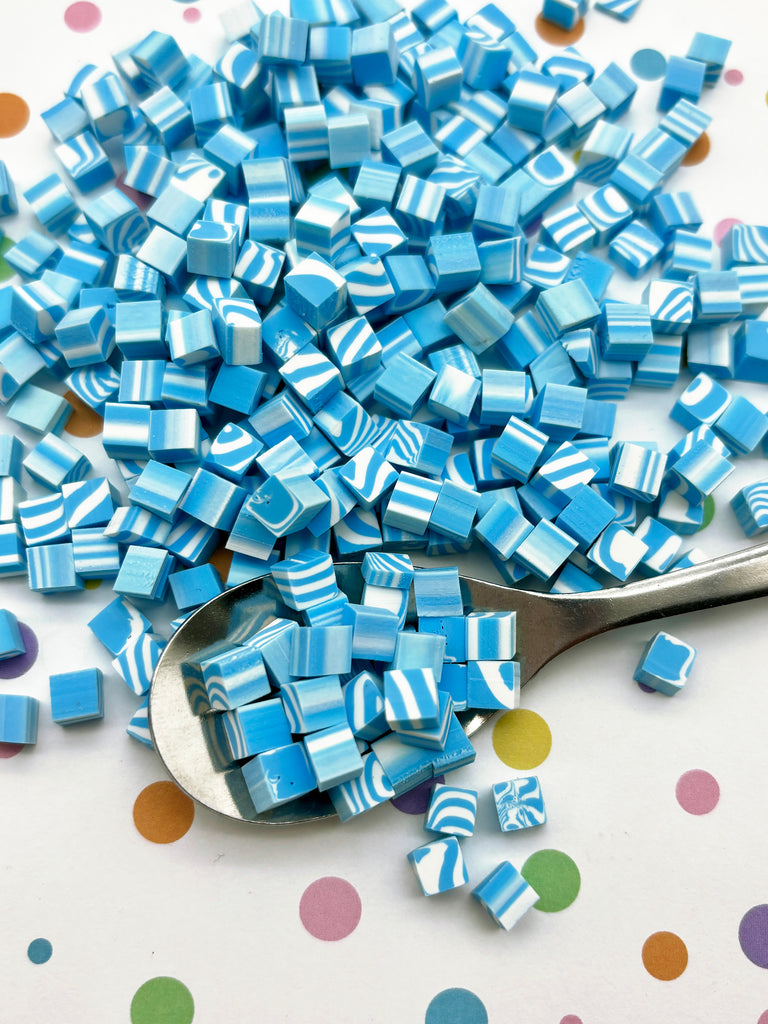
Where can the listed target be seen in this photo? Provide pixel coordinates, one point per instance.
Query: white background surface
(219, 908)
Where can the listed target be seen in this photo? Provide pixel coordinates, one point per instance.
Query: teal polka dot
(649, 65)
(39, 951)
(456, 1006)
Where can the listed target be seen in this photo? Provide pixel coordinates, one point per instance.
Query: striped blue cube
(665, 663)
(410, 698)
(505, 895)
(364, 791)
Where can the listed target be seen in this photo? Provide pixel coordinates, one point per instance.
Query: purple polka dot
(12, 668)
(416, 800)
(733, 76)
(139, 198)
(753, 935)
(697, 791)
(330, 908)
(645, 688)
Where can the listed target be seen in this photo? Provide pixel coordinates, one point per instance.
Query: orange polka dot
(84, 421)
(14, 114)
(557, 36)
(698, 152)
(521, 739)
(162, 813)
(221, 560)
(665, 956)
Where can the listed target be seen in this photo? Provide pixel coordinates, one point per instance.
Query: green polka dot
(6, 270)
(162, 1001)
(555, 878)
(709, 511)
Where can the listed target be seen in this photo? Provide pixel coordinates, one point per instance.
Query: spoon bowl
(189, 740)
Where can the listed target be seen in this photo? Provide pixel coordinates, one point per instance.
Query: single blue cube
(76, 696)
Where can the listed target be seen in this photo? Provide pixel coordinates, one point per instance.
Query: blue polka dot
(39, 951)
(648, 65)
(456, 1006)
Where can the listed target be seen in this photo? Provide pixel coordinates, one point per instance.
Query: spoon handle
(736, 577)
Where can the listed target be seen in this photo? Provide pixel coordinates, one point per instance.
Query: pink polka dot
(82, 16)
(191, 15)
(571, 1018)
(330, 908)
(723, 227)
(10, 750)
(733, 76)
(763, 1018)
(697, 791)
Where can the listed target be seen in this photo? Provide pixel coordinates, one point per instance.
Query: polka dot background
(647, 798)
(82, 16)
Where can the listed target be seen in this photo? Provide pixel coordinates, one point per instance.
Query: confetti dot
(162, 1001)
(142, 200)
(733, 76)
(82, 16)
(697, 791)
(723, 227)
(416, 800)
(39, 951)
(571, 1018)
(521, 739)
(330, 908)
(763, 1018)
(6, 270)
(10, 750)
(665, 956)
(709, 512)
(162, 813)
(14, 114)
(12, 668)
(555, 878)
(92, 584)
(753, 936)
(557, 36)
(221, 560)
(648, 64)
(456, 1006)
(83, 421)
(192, 15)
(698, 152)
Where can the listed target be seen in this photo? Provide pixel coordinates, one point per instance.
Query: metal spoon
(196, 757)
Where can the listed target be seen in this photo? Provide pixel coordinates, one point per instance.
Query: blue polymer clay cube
(76, 696)
(666, 663)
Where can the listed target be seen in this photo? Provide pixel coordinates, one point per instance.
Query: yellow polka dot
(93, 584)
(521, 739)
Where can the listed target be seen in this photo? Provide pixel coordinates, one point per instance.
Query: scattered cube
(665, 664)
